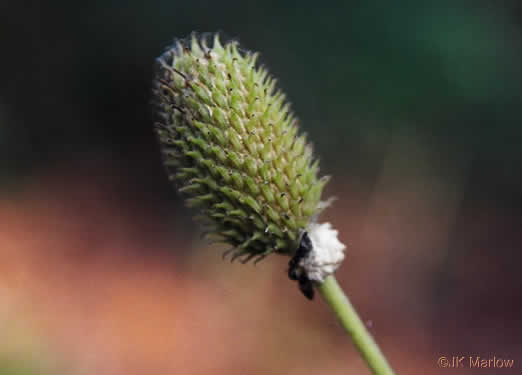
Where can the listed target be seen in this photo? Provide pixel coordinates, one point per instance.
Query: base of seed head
(319, 255)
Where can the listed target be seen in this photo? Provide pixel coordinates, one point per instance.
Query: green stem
(352, 324)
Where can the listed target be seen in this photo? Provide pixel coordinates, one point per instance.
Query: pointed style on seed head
(230, 143)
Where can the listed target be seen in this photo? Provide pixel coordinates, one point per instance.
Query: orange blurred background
(103, 283)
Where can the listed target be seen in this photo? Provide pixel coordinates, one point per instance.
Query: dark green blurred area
(76, 78)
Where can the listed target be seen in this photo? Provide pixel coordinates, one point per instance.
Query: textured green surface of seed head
(230, 143)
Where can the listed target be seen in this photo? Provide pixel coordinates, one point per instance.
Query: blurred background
(414, 107)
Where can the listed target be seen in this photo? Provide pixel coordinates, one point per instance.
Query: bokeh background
(415, 108)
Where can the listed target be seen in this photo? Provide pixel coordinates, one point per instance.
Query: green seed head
(231, 144)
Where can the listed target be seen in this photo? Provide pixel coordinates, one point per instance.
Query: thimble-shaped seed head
(231, 145)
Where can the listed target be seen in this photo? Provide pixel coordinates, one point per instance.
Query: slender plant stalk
(352, 324)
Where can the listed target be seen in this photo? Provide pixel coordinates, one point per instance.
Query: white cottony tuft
(327, 252)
